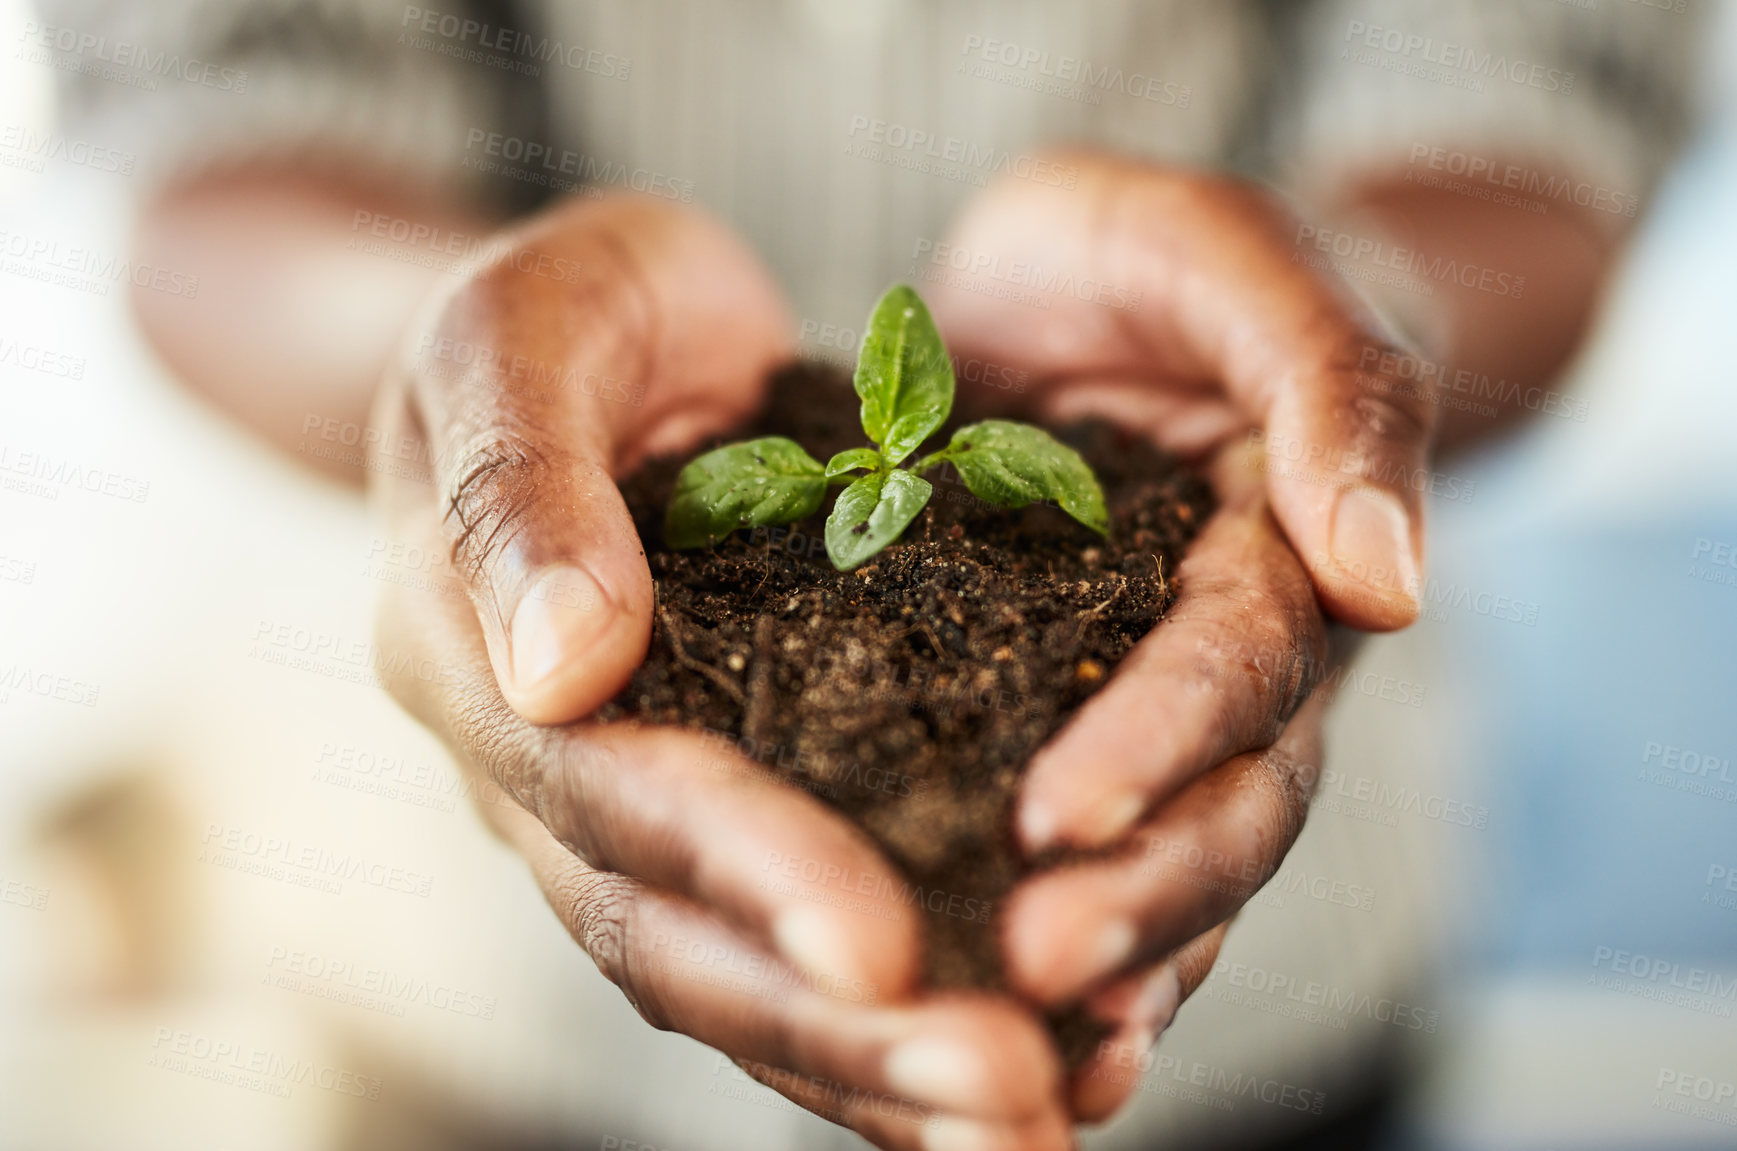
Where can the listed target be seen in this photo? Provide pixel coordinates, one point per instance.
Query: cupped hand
(1173, 303)
(724, 903)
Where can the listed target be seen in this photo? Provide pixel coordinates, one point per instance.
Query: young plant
(905, 379)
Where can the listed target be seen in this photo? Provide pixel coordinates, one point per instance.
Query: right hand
(664, 855)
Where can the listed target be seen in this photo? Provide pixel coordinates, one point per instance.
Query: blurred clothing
(838, 136)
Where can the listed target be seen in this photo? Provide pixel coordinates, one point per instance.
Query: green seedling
(905, 379)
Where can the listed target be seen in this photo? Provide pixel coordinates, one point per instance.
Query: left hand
(1197, 761)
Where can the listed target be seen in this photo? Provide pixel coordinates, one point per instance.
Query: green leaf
(871, 513)
(903, 375)
(755, 483)
(851, 459)
(1016, 464)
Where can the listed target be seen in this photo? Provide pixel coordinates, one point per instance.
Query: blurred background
(245, 902)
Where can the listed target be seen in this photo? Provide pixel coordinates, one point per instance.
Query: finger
(827, 1042)
(1140, 1007)
(667, 806)
(1234, 657)
(949, 1132)
(1067, 931)
(1194, 279)
(522, 379)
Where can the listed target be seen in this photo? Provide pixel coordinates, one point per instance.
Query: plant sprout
(905, 379)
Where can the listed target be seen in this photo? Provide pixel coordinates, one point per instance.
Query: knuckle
(1390, 422)
(1378, 412)
(1266, 652)
(509, 751)
(1194, 961)
(1281, 788)
(597, 907)
(565, 791)
(497, 477)
(1383, 406)
(607, 306)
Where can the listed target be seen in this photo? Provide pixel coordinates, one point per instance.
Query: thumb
(597, 334)
(1345, 448)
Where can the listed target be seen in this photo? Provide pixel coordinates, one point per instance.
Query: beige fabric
(753, 107)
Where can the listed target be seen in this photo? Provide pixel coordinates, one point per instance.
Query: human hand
(664, 855)
(1196, 761)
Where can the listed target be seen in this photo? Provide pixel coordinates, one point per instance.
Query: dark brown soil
(910, 693)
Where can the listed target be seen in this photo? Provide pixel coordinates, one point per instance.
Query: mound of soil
(910, 693)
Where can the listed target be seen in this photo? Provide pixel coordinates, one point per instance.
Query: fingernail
(935, 1070)
(1037, 826)
(813, 940)
(1102, 824)
(948, 1133)
(1111, 948)
(1156, 1007)
(1371, 541)
(561, 615)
